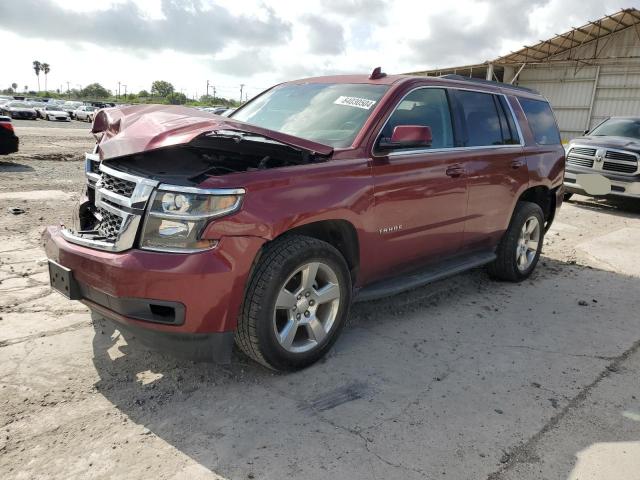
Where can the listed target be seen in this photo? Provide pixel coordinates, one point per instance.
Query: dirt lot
(466, 378)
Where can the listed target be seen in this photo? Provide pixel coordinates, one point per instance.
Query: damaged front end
(143, 187)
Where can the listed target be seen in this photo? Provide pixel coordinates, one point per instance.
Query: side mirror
(408, 136)
(586, 132)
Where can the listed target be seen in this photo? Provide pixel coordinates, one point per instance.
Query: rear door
(420, 194)
(494, 163)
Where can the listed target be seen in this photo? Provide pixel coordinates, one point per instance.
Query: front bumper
(621, 186)
(209, 285)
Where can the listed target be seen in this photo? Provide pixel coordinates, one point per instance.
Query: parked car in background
(55, 113)
(40, 109)
(263, 227)
(228, 112)
(606, 160)
(18, 109)
(85, 113)
(71, 107)
(8, 139)
(215, 110)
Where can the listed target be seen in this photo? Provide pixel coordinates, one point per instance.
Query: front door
(420, 195)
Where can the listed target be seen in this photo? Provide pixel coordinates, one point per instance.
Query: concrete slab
(34, 195)
(619, 250)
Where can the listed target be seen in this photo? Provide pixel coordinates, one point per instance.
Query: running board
(393, 286)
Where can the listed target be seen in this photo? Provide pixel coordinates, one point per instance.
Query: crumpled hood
(623, 143)
(140, 128)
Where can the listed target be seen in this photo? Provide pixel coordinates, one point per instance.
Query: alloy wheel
(528, 242)
(306, 307)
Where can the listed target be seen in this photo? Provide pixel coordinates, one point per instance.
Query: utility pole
(209, 85)
(125, 91)
(68, 90)
(241, 88)
(118, 96)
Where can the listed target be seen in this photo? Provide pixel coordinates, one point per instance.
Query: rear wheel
(520, 247)
(296, 303)
(567, 196)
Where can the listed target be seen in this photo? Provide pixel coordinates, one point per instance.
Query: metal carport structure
(588, 73)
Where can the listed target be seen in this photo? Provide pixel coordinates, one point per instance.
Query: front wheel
(520, 247)
(296, 303)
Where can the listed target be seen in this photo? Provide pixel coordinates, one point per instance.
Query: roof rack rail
(453, 76)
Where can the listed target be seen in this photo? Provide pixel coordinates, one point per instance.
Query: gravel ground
(466, 378)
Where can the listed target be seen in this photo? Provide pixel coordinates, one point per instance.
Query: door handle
(515, 164)
(455, 171)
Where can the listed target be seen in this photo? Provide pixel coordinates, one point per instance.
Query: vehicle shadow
(14, 167)
(619, 206)
(429, 380)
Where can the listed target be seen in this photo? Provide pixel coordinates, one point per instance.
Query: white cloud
(230, 42)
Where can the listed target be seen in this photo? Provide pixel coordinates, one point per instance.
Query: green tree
(46, 69)
(14, 85)
(143, 93)
(161, 88)
(176, 98)
(37, 66)
(95, 90)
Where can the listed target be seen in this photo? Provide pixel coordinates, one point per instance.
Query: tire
(510, 264)
(279, 276)
(567, 196)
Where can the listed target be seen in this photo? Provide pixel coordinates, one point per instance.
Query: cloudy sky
(259, 43)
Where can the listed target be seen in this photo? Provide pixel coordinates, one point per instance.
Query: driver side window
(427, 107)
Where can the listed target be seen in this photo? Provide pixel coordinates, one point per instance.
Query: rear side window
(484, 125)
(541, 120)
(428, 107)
(510, 133)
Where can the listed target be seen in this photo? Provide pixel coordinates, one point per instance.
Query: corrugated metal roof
(578, 36)
(545, 50)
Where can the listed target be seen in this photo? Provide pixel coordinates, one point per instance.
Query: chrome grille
(110, 224)
(120, 201)
(94, 167)
(619, 167)
(615, 155)
(584, 151)
(579, 161)
(117, 185)
(603, 159)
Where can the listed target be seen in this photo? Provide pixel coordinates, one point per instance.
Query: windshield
(618, 127)
(17, 105)
(327, 113)
(52, 107)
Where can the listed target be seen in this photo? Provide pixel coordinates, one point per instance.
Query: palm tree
(26, 87)
(14, 86)
(37, 66)
(46, 69)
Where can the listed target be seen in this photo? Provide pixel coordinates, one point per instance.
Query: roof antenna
(377, 74)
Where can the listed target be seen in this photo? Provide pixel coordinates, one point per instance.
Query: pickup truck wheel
(519, 249)
(296, 303)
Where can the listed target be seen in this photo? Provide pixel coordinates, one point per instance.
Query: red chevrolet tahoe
(264, 227)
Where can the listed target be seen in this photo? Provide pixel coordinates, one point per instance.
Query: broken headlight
(177, 216)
